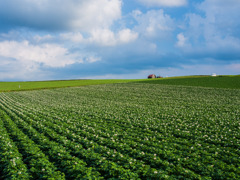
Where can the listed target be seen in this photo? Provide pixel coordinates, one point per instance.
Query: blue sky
(58, 39)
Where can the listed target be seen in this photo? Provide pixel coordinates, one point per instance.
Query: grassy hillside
(31, 85)
(232, 82)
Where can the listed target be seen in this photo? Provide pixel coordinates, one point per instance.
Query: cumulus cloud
(215, 31)
(107, 37)
(14, 70)
(154, 23)
(51, 55)
(59, 14)
(181, 40)
(169, 3)
(102, 37)
(127, 35)
(221, 21)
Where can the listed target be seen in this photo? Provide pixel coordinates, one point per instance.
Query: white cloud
(218, 29)
(96, 13)
(221, 11)
(12, 69)
(60, 14)
(25, 61)
(212, 32)
(126, 36)
(181, 40)
(93, 59)
(102, 37)
(47, 37)
(169, 3)
(76, 37)
(50, 55)
(18, 71)
(154, 23)
(106, 37)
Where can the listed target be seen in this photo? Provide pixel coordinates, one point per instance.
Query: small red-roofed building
(152, 76)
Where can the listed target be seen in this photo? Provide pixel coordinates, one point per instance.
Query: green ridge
(33, 85)
(232, 82)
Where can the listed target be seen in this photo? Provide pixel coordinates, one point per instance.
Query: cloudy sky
(72, 39)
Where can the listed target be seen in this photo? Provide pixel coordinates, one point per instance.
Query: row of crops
(121, 131)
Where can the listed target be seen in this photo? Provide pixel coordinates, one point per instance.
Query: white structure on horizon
(214, 74)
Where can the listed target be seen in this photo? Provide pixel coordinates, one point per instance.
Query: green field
(28, 85)
(232, 82)
(130, 130)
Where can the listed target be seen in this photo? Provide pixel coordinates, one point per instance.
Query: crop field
(120, 131)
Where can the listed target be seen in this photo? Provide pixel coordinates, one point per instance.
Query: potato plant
(121, 131)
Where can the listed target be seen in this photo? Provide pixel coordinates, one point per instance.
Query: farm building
(151, 76)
